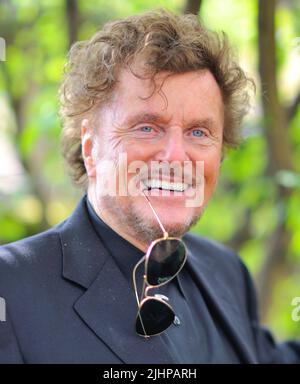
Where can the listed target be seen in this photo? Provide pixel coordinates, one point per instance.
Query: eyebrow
(154, 118)
(207, 122)
(145, 116)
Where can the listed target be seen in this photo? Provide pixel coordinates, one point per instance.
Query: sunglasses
(163, 261)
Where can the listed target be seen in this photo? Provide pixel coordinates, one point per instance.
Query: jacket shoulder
(29, 253)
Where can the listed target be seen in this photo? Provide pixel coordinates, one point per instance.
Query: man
(154, 88)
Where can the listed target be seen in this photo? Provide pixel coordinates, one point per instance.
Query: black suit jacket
(68, 302)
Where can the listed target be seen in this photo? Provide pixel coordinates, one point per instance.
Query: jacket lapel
(220, 300)
(108, 306)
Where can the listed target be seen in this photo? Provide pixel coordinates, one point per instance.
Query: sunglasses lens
(153, 318)
(165, 260)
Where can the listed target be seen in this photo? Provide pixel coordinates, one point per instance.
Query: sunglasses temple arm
(136, 293)
(134, 281)
(155, 214)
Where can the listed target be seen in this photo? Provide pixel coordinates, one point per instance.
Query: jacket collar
(83, 253)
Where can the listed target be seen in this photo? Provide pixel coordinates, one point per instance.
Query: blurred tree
(73, 17)
(279, 153)
(19, 98)
(192, 6)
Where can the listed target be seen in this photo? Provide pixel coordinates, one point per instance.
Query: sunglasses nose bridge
(148, 289)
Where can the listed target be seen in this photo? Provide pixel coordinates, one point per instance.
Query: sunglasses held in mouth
(164, 259)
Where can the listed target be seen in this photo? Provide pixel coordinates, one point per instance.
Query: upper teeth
(155, 183)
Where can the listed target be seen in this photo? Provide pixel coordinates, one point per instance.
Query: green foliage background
(35, 191)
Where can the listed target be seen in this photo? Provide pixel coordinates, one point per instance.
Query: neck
(108, 220)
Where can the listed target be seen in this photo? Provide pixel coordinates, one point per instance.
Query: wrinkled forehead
(140, 83)
(189, 93)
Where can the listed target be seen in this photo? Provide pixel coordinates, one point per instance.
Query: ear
(87, 148)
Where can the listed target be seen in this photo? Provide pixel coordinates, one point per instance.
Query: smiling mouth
(163, 185)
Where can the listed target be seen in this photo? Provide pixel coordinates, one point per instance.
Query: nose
(172, 147)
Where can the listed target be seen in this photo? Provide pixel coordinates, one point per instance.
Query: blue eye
(146, 129)
(198, 133)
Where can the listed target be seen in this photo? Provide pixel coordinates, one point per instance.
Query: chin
(177, 225)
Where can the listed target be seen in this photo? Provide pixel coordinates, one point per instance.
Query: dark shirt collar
(124, 253)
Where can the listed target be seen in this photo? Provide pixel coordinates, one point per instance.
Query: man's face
(179, 120)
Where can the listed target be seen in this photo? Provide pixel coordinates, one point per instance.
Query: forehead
(174, 96)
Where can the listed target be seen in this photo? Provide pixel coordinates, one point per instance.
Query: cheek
(136, 152)
(212, 168)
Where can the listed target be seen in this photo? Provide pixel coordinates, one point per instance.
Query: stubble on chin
(133, 221)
